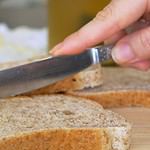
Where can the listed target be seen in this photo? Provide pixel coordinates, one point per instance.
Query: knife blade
(35, 75)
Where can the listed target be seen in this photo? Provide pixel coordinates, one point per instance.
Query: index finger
(116, 16)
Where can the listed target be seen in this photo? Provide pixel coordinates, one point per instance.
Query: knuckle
(105, 13)
(145, 39)
(109, 14)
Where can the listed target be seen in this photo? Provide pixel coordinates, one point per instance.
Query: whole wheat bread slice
(121, 87)
(90, 77)
(60, 122)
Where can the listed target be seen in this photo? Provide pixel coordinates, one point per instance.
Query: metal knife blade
(25, 78)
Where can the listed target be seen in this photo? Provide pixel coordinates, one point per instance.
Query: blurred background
(23, 30)
(31, 13)
(29, 28)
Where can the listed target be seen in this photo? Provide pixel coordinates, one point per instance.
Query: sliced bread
(122, 87)
(90, 77)
(60, 122)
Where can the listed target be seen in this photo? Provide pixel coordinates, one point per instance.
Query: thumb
(133, 48)
(116, 16)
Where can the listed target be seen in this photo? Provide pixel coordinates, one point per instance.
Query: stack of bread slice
(40, 120)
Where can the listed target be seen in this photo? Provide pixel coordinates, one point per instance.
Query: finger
(137, 26)
(142, 65)
(132, 28)
(147, 15)
(132, 47)
(147, 12)
(116, 16)
(114, 38)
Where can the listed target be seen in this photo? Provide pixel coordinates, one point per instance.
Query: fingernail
(56, 49)
(123, 54)
(57, 53)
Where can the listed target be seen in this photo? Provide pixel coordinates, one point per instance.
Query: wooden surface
(140, 118)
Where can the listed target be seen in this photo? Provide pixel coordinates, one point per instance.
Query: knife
(38, 74)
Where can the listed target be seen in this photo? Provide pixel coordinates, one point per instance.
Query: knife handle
(101, 53)
(105, 52)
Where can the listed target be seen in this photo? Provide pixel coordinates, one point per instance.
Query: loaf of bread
(122, 87)
(60, 122)
(90, 77)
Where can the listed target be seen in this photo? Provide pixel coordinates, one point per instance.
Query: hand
(117, 23)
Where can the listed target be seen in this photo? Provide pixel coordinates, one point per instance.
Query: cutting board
(140, 118)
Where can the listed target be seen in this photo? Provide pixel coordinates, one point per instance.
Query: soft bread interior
(27, 114)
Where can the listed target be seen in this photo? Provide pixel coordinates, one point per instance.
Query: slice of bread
(90, 77)
(60, 122)
(122, 87)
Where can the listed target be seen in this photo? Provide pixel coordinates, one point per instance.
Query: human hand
(117, 23)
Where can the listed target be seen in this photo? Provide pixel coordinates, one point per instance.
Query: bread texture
(122, 88)
(88, 78)
(60, 122)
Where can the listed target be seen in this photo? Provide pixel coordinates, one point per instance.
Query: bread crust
(66, 139)
(122, 88)
(88, 78)
(115, 136)
(122, 98)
